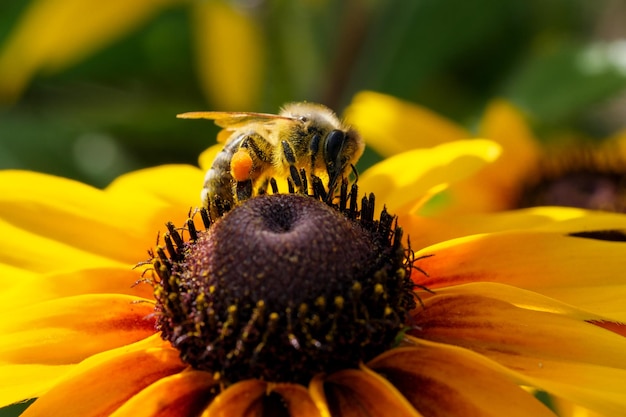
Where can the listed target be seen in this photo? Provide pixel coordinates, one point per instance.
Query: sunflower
(345, 317)
(570, 171)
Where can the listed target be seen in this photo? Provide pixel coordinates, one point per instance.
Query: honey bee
(304, 142)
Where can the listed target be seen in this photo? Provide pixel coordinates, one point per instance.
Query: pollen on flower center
(283, 287)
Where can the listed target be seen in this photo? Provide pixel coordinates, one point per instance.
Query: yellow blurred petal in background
(230, 53)
(54, 34)
(391, 126)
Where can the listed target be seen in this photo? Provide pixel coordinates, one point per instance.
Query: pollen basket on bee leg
(241, 165)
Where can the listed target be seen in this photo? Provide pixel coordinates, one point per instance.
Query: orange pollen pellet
(241, 165)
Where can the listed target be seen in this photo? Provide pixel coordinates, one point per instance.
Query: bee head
(342, 148)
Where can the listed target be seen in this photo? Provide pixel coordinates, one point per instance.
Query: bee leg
(274, 185)
(305, 182)
(319, 191)
(290, 157)
(250, 143)
(243, 190)
(314, 147)
(218, 206)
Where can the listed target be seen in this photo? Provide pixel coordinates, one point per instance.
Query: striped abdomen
(218, 181)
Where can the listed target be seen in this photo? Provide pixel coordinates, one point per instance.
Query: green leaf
(557, 85)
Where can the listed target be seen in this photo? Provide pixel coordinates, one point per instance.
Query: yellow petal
(391, 126)
(97, 388)
(38, 288)
(175, 185)
(85, 227)
(23, 382)
(58, 212)
(450, 382)
(505, 124)
(30, 250)
(353, 393)
(403, 180)
(231, 50)
(497, 185)
(183, 394)
(67, 330)
(426, 231)
(598, 388)
(53, 34)
(566, 408)
(547, 262)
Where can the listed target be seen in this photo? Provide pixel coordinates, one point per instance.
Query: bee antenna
(355, 172)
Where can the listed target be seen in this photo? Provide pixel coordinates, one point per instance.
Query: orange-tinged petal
(241, 399)
(297, 400)
(97, 388)
(54, 34)
(596, 387)
(392, 126)
(547, 344)
(354, 393)
(542, 261)
(67, 330)
(255, 397)
(34, 289)
(183, 394)
(403, 180)
(451, 382)
(231, 50)
(517, 297)
(21, 382)
(507, 332)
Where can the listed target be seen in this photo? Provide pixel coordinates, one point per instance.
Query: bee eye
(333, 146)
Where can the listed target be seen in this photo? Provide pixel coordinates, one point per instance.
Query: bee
(302, 143)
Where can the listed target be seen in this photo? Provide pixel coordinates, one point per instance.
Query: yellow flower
(526, 174)
(53, 35)
(491, 323)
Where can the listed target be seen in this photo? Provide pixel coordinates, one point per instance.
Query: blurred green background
(90, 90)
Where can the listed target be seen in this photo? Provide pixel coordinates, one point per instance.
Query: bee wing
(231, 121)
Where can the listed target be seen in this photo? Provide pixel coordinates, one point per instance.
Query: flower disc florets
(583, 177)
(283, 287)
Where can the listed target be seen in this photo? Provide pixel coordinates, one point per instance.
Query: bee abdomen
(218, 181)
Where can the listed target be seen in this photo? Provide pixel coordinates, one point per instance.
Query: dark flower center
(283, 287)
(583, 177)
